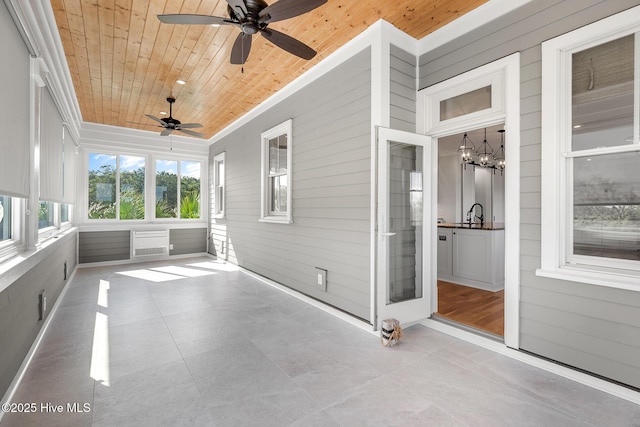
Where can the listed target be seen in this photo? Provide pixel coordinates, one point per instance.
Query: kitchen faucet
(481, 217)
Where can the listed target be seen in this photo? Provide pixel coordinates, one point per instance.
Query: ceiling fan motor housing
(249, 24)
(170, 121)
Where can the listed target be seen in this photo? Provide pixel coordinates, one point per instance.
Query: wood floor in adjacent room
(473, 307)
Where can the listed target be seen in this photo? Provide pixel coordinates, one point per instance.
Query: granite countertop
(476, 226)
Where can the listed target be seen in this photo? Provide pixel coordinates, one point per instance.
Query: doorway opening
(470, 225)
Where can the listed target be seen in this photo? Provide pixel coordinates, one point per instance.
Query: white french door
(404, 227)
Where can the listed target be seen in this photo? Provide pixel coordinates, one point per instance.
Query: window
(189, 190)
(116, 187)
(166, 189)
(46, 215)
(64, 213)
(173, 200)
(591, 153)
(276, 173)
(6, 233)
(218, 186)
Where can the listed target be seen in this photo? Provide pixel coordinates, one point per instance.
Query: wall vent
(149, 242)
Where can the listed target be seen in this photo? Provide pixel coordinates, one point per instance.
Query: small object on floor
(391, 332)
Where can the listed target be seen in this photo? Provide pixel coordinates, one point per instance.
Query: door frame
(504, 76)
(419, 308)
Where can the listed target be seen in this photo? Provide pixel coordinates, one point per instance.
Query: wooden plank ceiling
(124, 62)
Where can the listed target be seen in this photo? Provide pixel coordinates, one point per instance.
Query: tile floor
(199, 343)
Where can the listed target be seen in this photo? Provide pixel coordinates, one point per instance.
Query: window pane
(5, 218)
(189, 190)
(45, 215)
(131, 187)
(607, 206)
(102, 186)
(219, 201)
(64, 212)
(278, 155)
(278, 194)
(602, 95)
(166, 189)
(470, 102)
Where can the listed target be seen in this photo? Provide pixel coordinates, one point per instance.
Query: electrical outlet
(321, 278)
(170, 246)
(42, 304)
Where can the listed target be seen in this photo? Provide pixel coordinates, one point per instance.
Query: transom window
(591, 152)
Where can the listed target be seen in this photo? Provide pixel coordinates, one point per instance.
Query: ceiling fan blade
(166, 132)
(241, 48)
(192, 133)
(238, 7)
(163, 123)
(190, 125)
(285, 9)
(190, 19)
(288, 43)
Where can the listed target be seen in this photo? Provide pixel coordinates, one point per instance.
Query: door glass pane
(606, 200)
(405, 220)
(470, 102)
(602, 95)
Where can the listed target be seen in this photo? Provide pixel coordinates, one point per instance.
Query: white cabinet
(445, 251)
(476, 257)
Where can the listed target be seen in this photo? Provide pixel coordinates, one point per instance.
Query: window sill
(627, 281)
(16, 266)
(276, 220)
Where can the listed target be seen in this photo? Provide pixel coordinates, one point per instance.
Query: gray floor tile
(198, 342)
(162, 396)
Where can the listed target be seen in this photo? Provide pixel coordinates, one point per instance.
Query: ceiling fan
(252, 17)
(170, 124)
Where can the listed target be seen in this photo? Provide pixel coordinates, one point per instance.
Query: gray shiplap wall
(19, 324)
(99, 246)
(188, 241)
(403, 89)
(590, 327)
(331, 190)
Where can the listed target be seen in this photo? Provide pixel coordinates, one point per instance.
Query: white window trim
(219, 213)
(556, 136)
(15, 245)
(150, 189)
(265, 214)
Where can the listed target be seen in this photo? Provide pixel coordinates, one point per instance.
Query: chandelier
(484, 156)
